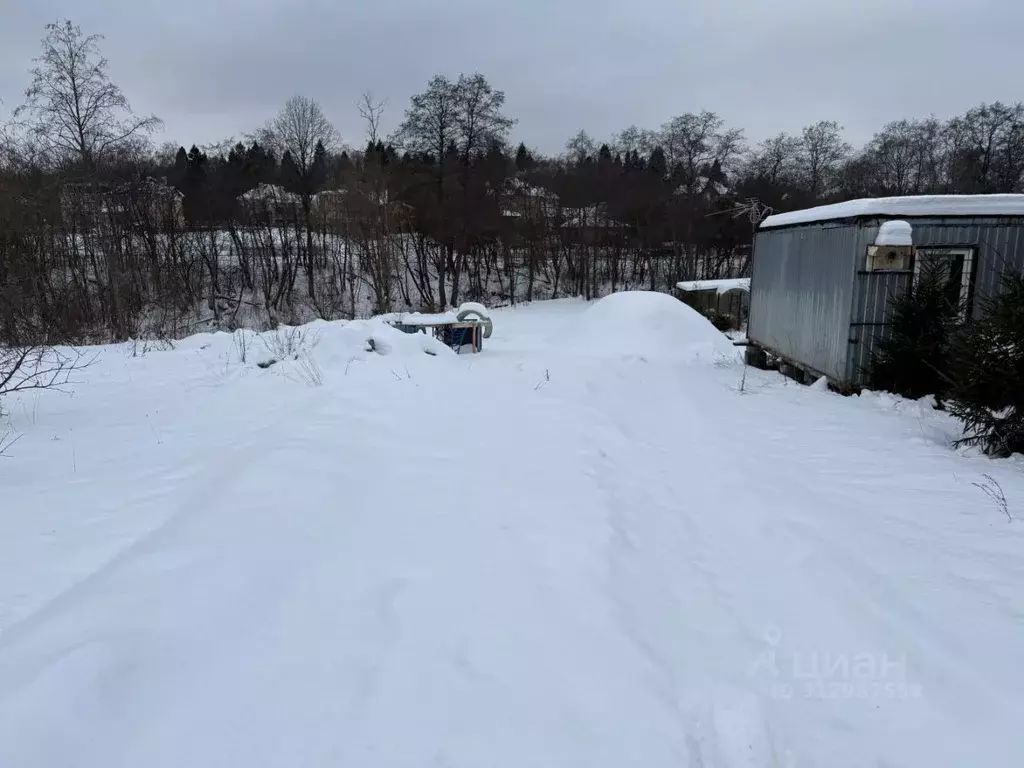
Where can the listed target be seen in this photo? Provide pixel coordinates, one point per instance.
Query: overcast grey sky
(218, 68)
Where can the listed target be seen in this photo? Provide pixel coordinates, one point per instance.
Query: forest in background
(105, 237)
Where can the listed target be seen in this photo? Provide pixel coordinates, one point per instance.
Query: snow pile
(646, 324)
(895, 232)
(386, 340)
(333, 342)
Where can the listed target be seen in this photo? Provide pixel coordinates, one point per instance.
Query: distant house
(162, 203)
(270, 204)
(521, 199)
(365, 209)
(822, 278)
(591, 224)
(330, 207)
(146, 204)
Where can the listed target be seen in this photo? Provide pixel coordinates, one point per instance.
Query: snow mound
(337, 343)
(650, 325)
(386, 340)
(374, 337)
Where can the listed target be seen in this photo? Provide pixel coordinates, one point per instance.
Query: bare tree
(635, 139)
(302, 131)
(895, 154)
(479, 118)
(72, 106)
(297, 129)
(987, 145)
(371, 110)
(775, 159)
(430, 127)
(822, 152)
(694, 142)
(580, 147)
(431, 121)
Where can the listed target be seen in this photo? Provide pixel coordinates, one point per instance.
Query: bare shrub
(7, 439)
(241, 340)
(38, 367)
(310, 372)
(288, 343)
(991, 488)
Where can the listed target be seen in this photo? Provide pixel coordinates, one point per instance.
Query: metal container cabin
(815, 304)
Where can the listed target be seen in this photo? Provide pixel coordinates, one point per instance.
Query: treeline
(103, 237)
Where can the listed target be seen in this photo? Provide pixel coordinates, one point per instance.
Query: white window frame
(966, 280)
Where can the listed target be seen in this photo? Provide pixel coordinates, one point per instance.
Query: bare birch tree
(371, 111)
(72, 107)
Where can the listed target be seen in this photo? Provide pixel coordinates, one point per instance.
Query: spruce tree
(196, 203)
(987, 371)
(913, 359)
(524, 160)
(289, 177)
(319, 170)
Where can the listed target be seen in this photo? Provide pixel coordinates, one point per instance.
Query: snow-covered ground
(594, 544)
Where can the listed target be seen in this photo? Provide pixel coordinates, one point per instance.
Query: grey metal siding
(811, 300)
(801, 292)
(871, 317)
(998, 244)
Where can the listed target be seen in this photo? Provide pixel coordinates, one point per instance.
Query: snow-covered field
(594, 544)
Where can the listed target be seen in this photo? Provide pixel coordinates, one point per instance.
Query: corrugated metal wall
(997, 243)
(812, 301)
(801, 291)
(870, 318)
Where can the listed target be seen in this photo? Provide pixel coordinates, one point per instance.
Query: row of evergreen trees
(975, 370)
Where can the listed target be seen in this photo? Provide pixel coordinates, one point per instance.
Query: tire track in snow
(216, 482)
(724, 725)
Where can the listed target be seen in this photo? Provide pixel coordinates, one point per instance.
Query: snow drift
(647, 324)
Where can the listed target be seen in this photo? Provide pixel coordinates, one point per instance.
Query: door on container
(955, 268)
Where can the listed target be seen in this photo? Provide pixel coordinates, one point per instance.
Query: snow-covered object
(474, 306)
(469, 310)
(415, 318)
(719, 286)
(915, 205)
(386, 340)
(473, 310)
(895, 232)
(647, 324)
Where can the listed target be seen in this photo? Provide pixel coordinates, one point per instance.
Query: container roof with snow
(916, 206)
